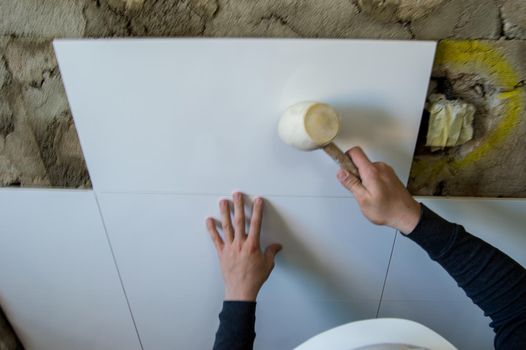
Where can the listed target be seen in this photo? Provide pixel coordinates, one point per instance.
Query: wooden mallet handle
(341, 158)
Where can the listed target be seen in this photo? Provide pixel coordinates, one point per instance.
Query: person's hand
(244, 266)
(382, 197)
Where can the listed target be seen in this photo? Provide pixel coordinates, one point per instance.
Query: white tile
(462, 323)
(200, 115)
(60, 287)
(332, 256)
(414, 276)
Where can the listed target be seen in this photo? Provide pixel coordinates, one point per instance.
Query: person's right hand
(382, 197)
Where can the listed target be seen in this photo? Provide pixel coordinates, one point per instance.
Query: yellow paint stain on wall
(480, 58)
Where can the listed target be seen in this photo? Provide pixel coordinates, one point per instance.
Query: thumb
(272, 250)
(351, 182)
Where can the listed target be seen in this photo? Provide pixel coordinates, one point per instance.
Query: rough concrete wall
(491, 76)
(38, 141)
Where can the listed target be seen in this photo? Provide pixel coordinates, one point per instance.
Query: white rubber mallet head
(312, 125)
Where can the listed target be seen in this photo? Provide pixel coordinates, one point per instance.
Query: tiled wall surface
(61, 288)
(130, 263)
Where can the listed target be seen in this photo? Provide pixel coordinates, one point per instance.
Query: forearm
(494, 281)
(236, 326)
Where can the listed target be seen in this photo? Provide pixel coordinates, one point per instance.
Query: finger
(352, 183)
(271, 251)
(214, 234)
(239, 216)
(361, 161)
(384, 168)
(226, 223)
(255, 224)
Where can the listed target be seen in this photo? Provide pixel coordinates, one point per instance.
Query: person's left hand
(244, 266)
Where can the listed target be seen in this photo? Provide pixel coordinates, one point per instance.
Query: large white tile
(333, 259)
(200, 115)
(462, 323)
(59, 285)
(414, 276)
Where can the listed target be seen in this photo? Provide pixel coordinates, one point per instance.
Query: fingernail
(342, 174)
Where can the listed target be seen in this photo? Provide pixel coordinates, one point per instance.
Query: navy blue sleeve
(236, 326)
(493, 281)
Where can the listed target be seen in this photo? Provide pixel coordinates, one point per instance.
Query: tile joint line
(386, 274)
(117, 268)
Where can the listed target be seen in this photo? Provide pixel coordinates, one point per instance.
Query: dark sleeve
(494, 281)
(236, 326)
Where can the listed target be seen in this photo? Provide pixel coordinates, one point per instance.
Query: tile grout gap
(386, 274)
(208, 194)
(117, 268)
